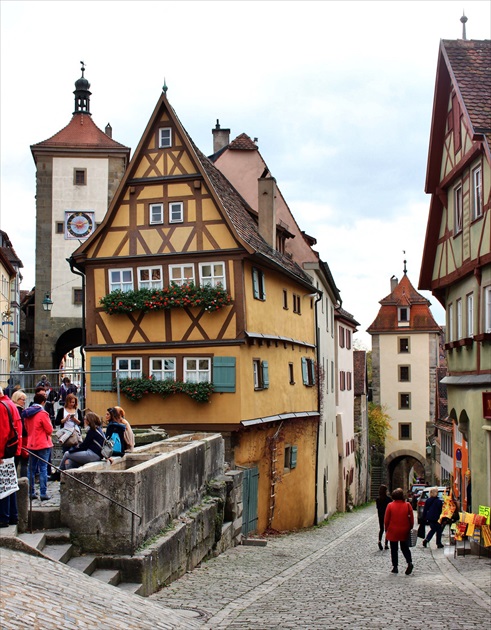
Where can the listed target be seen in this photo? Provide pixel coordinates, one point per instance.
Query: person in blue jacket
(115, 430)
(431, 515)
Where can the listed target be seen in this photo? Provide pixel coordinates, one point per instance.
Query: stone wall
(158, 482)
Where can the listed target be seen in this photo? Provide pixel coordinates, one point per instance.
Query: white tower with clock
(77, 173)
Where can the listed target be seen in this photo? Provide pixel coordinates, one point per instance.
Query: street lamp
(47, 303)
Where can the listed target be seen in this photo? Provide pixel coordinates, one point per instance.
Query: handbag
(107, 448)
(73, 439)
(412, 538)
(422, 530)
(12, 443)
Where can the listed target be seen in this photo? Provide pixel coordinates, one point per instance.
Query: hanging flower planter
(175, 296)
(136, 388)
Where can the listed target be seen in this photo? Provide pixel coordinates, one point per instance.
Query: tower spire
(82, 94)
(463, 19)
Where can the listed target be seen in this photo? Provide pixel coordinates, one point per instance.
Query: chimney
(267, 210)
(221, 137)
(109, 130)
(393, 283)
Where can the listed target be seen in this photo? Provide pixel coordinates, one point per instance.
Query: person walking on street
(9, 413)
(399, 520)
(382, 502)
(431, 515)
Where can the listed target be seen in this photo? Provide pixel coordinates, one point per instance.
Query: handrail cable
(64, 472)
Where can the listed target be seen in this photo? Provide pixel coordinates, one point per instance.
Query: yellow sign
(485, 510)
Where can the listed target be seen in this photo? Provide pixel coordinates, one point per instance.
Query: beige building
(10, 277)
(405, 356)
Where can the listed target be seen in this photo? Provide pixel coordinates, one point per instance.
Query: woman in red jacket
(399, 520)
(39, 430)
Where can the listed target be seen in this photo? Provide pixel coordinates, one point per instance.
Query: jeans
(36, 465)
(394, 553)
(435, 528)
(8, 509)
(77, 459)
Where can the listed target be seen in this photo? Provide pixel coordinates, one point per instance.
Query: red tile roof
(243, 143)
(420, 315)
(470, 65)
(81, 132)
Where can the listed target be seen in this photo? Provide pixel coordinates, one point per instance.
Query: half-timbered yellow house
(456, 262)
(202, 322)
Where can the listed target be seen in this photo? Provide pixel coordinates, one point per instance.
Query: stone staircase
(56, 545)
(376, 480)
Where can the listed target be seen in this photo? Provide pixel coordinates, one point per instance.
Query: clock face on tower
(79, 224)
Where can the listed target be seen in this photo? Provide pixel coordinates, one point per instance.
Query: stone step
(36, 540)
(131, 587)
(109, 576)
(60, 552)
(86, 564)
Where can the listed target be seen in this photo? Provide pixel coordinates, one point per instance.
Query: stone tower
(77, 173)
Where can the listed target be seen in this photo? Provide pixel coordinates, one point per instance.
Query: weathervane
(405, 269)
(83, 67)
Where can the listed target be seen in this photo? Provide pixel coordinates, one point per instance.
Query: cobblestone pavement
(44, 595)
(334, 577)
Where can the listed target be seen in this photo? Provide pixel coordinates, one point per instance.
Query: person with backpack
(115, 431)
(90, 449)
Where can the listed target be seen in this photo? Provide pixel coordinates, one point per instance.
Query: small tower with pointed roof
(77, 173)
(405, 357)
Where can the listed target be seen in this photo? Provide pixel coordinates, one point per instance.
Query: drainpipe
(317, 352)
(71, 262)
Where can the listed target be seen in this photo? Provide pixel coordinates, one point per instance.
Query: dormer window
(165, 138)
(403, 315)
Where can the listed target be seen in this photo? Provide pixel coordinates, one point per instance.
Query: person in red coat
(8, 505)
(399, 520)
(39, 430)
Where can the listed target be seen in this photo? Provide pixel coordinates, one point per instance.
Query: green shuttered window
(224, 374)
(101, 375)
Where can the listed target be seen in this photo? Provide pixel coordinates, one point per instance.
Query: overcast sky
(339, 95)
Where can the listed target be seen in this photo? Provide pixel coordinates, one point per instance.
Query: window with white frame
(258, 284)
(212, 274)
(165, 137)
(197, 370)
(458, 437)
(458, 306)
(156, 213)
(176, 212)
(487, 309)
(163, 368)
(477, 193)
(470, 314)
(181, 274)
(457, 200)
(450, 331)
(121, 280)
(150, 278)
(403, 315)
(129, 367)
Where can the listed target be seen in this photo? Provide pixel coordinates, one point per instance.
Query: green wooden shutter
(265, 369)
(224, 374)
(312, 371)
(101, 375)
(305, 375)
(293, 456)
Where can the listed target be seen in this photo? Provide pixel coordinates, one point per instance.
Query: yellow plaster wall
(295, 490)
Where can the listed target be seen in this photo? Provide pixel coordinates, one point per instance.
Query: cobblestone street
(334, 577)
(327, 578)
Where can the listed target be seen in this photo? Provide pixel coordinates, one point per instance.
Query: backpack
(117, 446)
(12, 443)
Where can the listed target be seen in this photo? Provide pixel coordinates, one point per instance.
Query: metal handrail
(64, 472)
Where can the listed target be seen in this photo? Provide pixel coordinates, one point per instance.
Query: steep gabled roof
(80, 133)
(235, 210)
(404, 294)
(465, 66)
